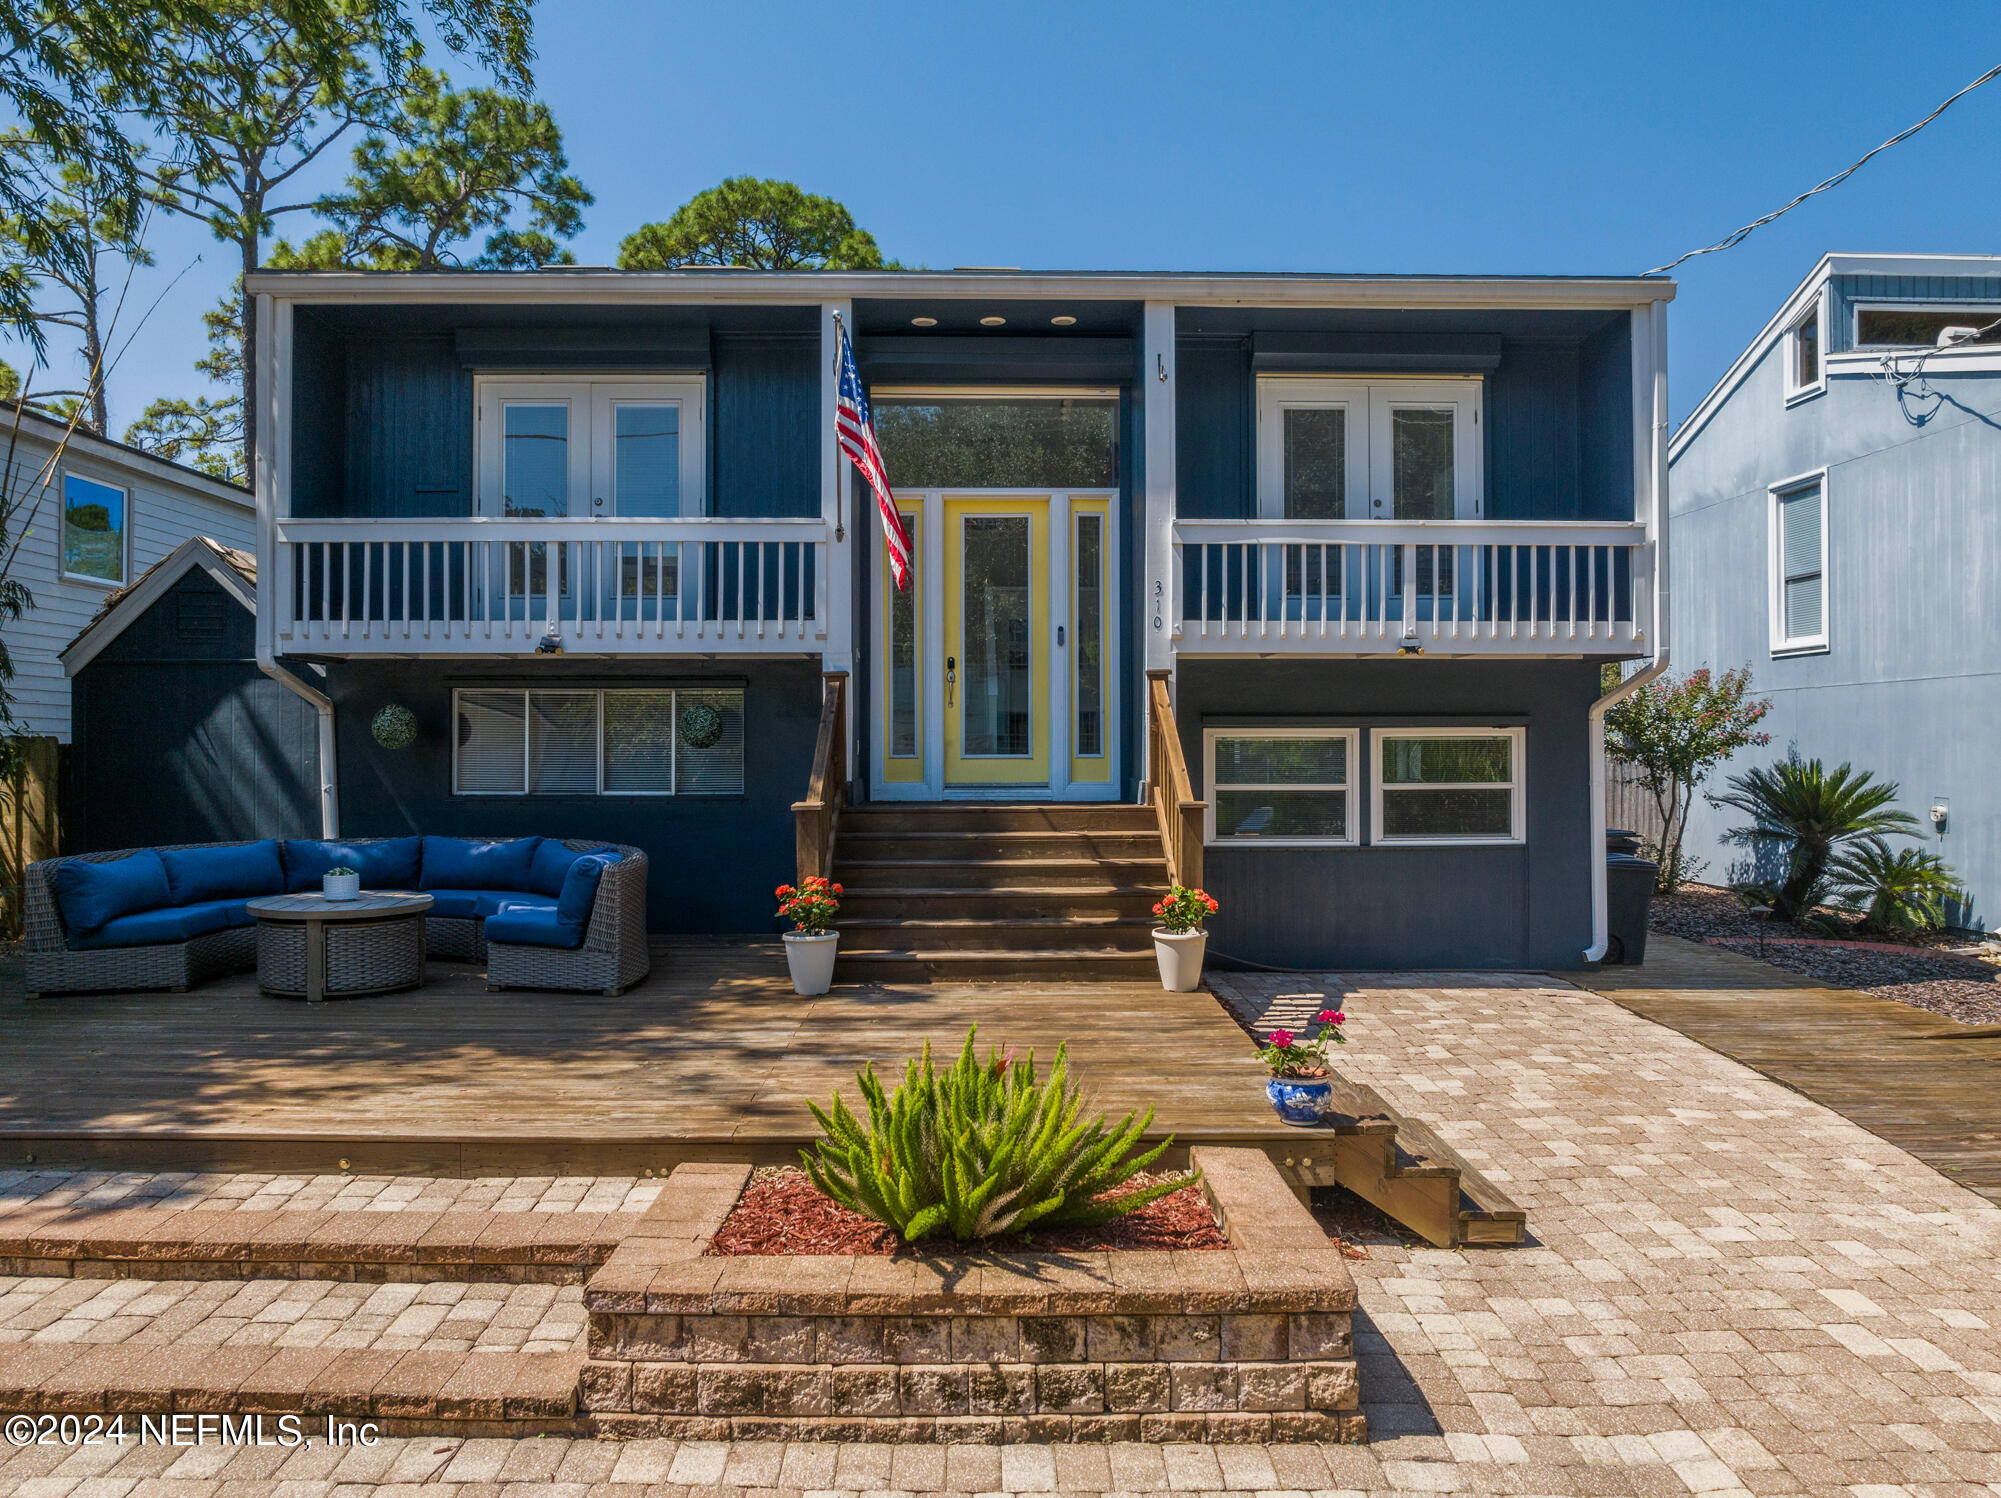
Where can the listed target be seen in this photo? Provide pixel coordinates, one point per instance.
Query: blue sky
(1526, 138)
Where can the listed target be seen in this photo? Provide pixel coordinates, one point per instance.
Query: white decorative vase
(811, 959)
(1179, 954)
(341, 886)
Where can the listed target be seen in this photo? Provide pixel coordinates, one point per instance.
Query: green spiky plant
(1894, 890)
(1811, 814)
(980, 1151)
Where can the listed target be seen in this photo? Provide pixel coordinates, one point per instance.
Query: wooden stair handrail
(1174, 803)
(817, 818)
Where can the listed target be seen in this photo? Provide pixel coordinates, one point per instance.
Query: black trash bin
(1629, 890)
(1621, 840)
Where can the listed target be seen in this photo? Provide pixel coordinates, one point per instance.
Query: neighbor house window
(1448, 785)
(1280, 785)
(685, 741)
(1799, 565)
(1924, 327)
(1803, 349)
(629, 447)
(1345, 449)
(94, 517)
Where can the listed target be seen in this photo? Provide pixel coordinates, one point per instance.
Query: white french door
(550, 448)
(1341, 449)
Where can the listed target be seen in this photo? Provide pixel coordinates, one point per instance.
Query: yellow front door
(996, 645)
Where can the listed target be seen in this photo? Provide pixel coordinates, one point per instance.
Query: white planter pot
(811, 959)
(341, 886)
(1179, 954)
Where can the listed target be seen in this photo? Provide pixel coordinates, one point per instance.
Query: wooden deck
(1919, 1080)
(712, 1056)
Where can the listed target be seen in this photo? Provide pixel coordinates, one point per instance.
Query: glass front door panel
(997, 636)
(903, 655)
(1090, 632)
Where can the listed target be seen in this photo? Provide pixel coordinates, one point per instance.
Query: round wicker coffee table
(314, 948)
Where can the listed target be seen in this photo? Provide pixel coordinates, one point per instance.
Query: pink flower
(1331, 1017)
(1281, 1038)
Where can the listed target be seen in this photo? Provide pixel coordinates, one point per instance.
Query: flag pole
(841, 468)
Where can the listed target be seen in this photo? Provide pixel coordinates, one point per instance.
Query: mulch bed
(782, 1212)
(1935, 972)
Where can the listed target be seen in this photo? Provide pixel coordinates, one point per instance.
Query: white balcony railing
(1453, 586)
(504, 586)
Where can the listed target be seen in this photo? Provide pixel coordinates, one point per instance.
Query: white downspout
(1601, 900)
(276, 411)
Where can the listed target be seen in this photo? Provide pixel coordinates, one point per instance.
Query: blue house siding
(1908, 687)
(1499, 907)
(688, 839)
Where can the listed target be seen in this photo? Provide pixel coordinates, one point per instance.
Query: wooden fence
(1628, 803)
(31, 819)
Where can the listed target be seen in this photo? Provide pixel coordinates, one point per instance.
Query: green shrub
(979, 1151)
(1898, 891)
(1810, 814)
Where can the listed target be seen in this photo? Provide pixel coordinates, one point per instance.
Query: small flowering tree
(1183, 910)
(1674, 732)
(1287, 1055)
(811, 907)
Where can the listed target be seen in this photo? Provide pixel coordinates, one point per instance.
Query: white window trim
(590, 399)
(63, 476)
(1816, 313)
(1517, 786)
(1352, 736)
(1775, 579)
(1374, 397)
(1979, 314)
(673, 754)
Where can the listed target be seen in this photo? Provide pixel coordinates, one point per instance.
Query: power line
(1732, 240)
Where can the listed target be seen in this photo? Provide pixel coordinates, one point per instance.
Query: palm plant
(979, 1151)
(1809, 813)
(1895, 891)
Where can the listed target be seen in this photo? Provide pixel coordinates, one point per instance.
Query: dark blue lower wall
(713, 859)
(1524, 906)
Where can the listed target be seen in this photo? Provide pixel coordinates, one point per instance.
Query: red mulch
(782, 1212)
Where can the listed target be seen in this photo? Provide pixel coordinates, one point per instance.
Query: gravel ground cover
(781, 1212)
(1939, 973)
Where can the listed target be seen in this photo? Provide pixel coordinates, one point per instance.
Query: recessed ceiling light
(1064, 322)
(923, 322)
(993, 322)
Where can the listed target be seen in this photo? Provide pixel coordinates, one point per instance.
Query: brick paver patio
(1731, 1290)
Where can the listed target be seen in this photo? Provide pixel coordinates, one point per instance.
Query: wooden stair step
(1010, 844)
(862, 873)
(992, 965)
(1120, 933)
(998, 816)
(927, 902)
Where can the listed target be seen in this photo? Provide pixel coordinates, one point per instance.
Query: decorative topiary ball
(701, 726)
(395, 727)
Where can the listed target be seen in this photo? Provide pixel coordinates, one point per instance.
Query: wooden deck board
(1914, 1078)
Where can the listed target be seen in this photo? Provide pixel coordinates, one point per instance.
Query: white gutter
(276, 443)
(1601, 900)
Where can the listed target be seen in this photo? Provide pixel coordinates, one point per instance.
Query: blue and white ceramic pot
(1299, 1100)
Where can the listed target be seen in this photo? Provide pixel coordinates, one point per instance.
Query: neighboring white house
(95, 515)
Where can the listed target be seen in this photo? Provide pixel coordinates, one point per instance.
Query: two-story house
(1298, 585)
(1837, 509)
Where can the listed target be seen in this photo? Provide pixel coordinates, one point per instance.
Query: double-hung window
(628, 447)
(1799, 565)
(1448, 785)
(94, 527)
(1280, 785)
(1346, 449)
(564, 741)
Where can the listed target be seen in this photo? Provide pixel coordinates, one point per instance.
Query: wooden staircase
(971, 891)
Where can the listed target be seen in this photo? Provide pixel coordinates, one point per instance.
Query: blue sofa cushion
(91, 894)
(195, 875)
(472, 904)
(165, 927)
(580, 889)
(551, 866)
(388, 864)
(532, 923)
(454, 863)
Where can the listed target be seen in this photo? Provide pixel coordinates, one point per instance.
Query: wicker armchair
(614, 954)
(54, 968)
(612, 958)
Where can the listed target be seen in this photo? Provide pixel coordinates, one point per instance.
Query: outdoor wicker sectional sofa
(552, 913)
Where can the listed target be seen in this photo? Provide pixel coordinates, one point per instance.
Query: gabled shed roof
(235, 570)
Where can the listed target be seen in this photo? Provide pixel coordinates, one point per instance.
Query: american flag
(856, 429)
